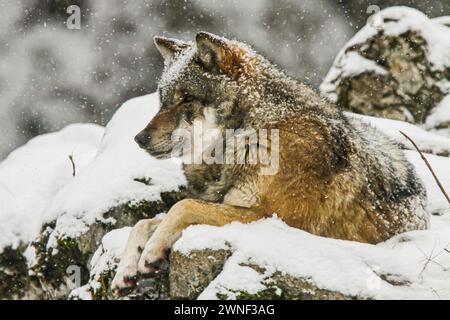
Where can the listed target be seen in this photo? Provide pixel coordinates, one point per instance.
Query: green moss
(271, 292)
(130, 213)
(13, 273)
(51, 269)
(280, 286)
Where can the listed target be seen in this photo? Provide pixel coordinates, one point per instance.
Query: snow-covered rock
(397, 66)
(440, 115)
(427, 141)
(121, 185)
(103, 266)
(65, 216)
(33, 174)
(29, 178)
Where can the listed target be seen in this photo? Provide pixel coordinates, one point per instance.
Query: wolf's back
(392, 179)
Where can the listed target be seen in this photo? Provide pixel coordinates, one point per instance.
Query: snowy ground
(105, 259)
(37, 186)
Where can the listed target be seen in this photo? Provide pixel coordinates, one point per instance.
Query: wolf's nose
(142, 139)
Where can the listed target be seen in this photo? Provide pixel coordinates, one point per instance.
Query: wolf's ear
(218, 54)
(211, 49)
(169, 48)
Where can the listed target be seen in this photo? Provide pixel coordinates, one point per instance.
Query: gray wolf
(337, 177)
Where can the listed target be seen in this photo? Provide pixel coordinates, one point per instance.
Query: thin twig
(73, 165)
(429, 166)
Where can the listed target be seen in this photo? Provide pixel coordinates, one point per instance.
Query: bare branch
(429, 166)
(73, 165)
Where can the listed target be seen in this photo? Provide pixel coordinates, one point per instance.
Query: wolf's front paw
(124, 281)
(152, 262)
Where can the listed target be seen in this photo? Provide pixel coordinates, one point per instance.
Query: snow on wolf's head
(200, 83)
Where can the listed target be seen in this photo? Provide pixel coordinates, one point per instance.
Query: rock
(53, 263)
(191, 274)
(186, 276)
(15, 281)
(103, 266)
(393, 68)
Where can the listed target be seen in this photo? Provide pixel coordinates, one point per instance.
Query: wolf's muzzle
(142, 139)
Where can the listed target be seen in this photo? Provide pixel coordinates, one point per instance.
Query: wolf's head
(200, 83)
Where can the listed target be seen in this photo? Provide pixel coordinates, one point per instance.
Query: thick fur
(337, 177)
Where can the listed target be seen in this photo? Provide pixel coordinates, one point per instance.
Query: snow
(346, 65)
(34, 173)
(392, 21)
(441, 165)
(443, 20)
(427, 141)
(109, 179)
(81, 293)
(440, 114)
(395, 21)
(107, 255)
(104, 261)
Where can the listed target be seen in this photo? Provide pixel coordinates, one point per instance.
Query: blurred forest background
(51, 76)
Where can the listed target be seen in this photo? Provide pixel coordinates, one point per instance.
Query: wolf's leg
(181, 215)
(125, 278)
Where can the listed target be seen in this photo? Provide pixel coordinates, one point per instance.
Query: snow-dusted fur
(337, 177)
